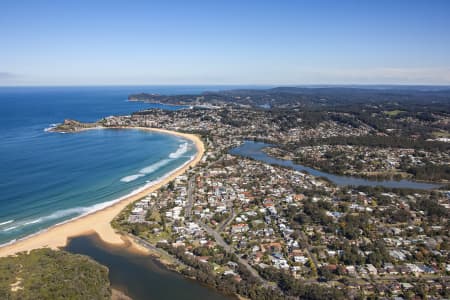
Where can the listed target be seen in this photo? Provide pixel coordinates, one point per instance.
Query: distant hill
(309, 96)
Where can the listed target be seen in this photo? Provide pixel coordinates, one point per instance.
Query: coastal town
(245, 221)
(279, 220)
(225, 150)
(369, 162)
(285, 203)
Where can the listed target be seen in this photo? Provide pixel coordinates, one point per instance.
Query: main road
(220, 241)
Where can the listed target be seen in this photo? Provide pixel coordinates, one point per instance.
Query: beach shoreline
(99, 222)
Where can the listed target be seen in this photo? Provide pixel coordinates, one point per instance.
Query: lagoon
(140, 276)
(253, 150)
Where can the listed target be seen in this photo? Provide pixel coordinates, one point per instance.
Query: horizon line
(316, 85)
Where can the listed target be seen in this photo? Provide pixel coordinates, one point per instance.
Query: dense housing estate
(245, 221)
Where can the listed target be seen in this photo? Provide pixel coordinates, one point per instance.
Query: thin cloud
(382, 75)
(7, 75)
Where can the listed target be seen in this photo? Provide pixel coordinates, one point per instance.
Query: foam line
(131, 177)
(183, 148)
(9, 228)
(83, 211)
(6, 222)
(154, 167)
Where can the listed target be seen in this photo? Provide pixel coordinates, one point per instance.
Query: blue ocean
(48, 178)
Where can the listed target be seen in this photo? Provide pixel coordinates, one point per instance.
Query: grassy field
(392, 113)
(441, 134)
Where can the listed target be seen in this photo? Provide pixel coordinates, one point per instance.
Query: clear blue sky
(224, 42)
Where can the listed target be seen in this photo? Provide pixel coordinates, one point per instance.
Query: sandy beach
(99, 221)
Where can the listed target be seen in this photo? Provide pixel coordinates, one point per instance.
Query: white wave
(59, 214)
(54, 216)
(32, 222)
(147, 170)
(8, 243)
(64, 213)
(83, 211)
(79, 211)
(183, 148)
(152, 168)
(52, 126)
(131, 177)
(10, 228)
(6, 222)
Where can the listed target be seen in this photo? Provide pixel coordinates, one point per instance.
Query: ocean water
(48, 178)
